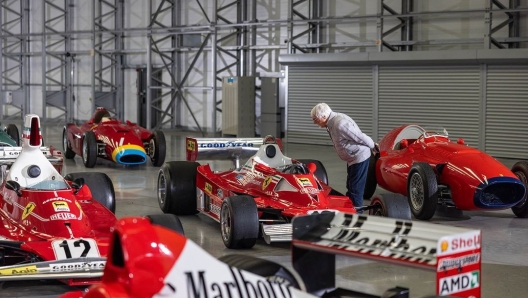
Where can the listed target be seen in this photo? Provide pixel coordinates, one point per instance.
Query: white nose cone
(32, 136)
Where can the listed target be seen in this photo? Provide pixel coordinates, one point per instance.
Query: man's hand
(376, 149)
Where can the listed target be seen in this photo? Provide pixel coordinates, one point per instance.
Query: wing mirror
(77, 184)
(14, 186)
(312, 167)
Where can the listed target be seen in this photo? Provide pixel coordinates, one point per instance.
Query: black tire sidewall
(180, 187)
(91, 157)
(100, 185)
(169, 221)
(243, 221)
(12, 131)
(68, 152)
(430, 186)
(159, 148)
(521, 209)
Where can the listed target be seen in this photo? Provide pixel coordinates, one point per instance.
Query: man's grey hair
(321, 110)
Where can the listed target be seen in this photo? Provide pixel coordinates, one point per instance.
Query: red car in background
(427, 167)
(105, 137)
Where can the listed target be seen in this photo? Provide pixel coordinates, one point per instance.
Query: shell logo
(444, 245)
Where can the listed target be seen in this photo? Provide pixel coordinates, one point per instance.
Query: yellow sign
(61, 206)
(191, 145)
(304, 181)
(266, 182)
(444, 245)
(208, 188)
(27, 211)
(19, 270)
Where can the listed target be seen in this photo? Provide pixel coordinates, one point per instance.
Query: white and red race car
(148, 260)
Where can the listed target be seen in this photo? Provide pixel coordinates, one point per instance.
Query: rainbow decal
(129, 155)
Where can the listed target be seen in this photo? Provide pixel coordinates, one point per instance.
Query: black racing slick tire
(422, 191)
(239, 222)
(177, 187)
(89, 149)
(371, 183)
(390, 205)
(169, 221)
(12, 131)
(320, 170)
(520, 169)
(265, 268)
(66, 147)
(100, 185)
(157, 148)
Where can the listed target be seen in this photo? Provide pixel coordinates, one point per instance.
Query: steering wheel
(429, 134)
(298, 169)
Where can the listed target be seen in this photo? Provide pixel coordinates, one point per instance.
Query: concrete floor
(505, 237)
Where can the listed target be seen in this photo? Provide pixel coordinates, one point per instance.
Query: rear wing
(453, 253)
(234, 149)
(8, 155)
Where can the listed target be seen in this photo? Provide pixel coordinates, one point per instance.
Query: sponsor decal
(27, 211)
(110, 142)
(459, 283)
(20, 270)
(458, 263)
(239, 282)
(208, 188)
(321, 211)
(56, 199)
(220, 193)
(460, 243)
(63, 216)
(77, 266)
(229, 144)
(266, 182)
(310, 190)
(191, 145)
(249, 177)
(352, 237)
(304, 182)
(61, 207)
(214, 208)
(85, 201)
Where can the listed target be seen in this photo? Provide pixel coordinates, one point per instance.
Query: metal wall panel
(446, 96)
(346, 90)
(507, 111)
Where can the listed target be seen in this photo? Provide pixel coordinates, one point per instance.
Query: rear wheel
(265, 268)
(390, 205)
(320, 170)
(66, 148)
(422, 190)
(100, 185)
(156, 148)
(12, 131)
(89, 149)
(177, 187)
(520, 169)
(169, 221)
(239, 223)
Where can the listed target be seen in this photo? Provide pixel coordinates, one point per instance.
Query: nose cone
(129, 155)
(499, 193)
(32, 137)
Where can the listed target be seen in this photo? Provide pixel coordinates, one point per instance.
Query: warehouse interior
(247, 68)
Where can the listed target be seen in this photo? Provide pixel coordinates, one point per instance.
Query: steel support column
(405, 26)
(512, 22)
(312, 36)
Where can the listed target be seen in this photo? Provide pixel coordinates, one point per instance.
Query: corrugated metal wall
(445, 96)
(345, 89)
(507, 111)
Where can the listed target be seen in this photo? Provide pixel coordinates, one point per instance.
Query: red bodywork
(467, 173)
(34, 219)
(307, 192)
(114, 136)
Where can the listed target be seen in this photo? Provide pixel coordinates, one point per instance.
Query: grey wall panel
(446, 96)
(345, 89)
(507, 111)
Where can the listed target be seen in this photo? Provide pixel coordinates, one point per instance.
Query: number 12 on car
(75, 248)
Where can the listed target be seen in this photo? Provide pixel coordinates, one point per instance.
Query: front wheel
(422, 189)
(12, 131)
(239, 223)
(520, 169)
(156, 148)
(100, 185)
(390, 205)
(169, 221)
(89, 152)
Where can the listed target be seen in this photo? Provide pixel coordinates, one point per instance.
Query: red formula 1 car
(151, 260)
(108, 138)
(426, 166)
(47, 226)
(265, 193)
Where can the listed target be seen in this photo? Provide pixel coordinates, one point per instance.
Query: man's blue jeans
(356, 180)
